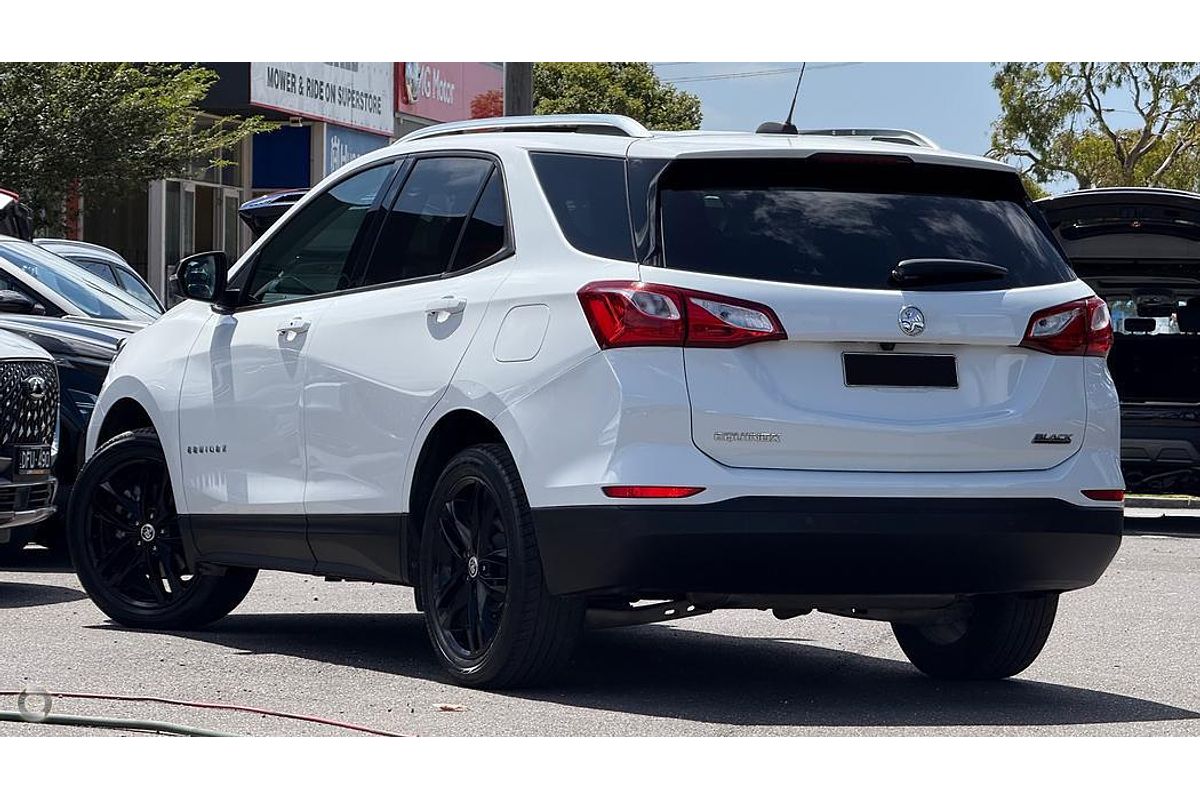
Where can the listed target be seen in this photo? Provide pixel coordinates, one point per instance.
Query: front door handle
(446, 305)
(294, 327)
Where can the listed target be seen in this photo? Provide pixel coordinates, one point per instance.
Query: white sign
(357, 94)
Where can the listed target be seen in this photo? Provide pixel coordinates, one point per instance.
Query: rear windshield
(849, 226)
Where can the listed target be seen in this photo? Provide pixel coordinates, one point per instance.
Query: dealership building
(329, 113)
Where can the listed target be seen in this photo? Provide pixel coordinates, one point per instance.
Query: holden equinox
(562, 371)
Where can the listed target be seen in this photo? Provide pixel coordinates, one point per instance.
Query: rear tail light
(1079, 328)
(1110, 495)
(632, 314)
(652, 492)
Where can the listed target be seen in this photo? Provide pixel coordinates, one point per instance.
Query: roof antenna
(786, 127)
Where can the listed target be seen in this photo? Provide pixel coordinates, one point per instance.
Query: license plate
(33, 460)
(908, 370)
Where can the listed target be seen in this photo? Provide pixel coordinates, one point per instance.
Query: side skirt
(358, 546)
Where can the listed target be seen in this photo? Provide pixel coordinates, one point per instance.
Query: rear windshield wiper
(926, 271)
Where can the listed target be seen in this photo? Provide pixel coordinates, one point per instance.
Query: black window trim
(505, 252)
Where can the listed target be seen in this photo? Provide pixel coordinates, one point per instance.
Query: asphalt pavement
(1122, 660)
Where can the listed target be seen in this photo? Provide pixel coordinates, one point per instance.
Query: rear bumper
(827, 546)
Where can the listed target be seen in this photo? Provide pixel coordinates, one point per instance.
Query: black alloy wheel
(133, 538)
(126, 542)
(470, 568)
(489, 615)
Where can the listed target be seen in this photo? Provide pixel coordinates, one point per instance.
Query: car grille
(25, 419)
(16, 497)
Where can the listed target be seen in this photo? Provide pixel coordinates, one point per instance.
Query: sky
(953, 104)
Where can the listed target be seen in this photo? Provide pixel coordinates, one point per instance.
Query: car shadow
(682, 673)
(37, 559)
(28, 595)
(1187, 527)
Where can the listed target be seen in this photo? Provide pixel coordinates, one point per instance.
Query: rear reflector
(1079, 328)
(645, 492)
(1108, 495)
(633, 314)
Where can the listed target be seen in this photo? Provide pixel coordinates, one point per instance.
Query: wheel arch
(127, 404)
(126, 414)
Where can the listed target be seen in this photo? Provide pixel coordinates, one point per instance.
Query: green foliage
(105, 128)
(613, 87)
(1057, 120)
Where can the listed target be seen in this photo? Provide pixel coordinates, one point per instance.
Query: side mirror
(14, 302)
(202, 277)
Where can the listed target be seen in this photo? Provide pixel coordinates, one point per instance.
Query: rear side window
(422, 228)
(484, 235)
(849, 226)
(97, 268)
(588, 196)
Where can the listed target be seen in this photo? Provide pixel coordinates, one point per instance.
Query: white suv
(548, 369)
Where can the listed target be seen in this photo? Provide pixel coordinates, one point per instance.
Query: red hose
(214, 707)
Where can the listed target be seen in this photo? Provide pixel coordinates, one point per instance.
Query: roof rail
(895, 135)
(610, 124)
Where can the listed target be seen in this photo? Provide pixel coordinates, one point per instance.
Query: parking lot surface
(1122, 660)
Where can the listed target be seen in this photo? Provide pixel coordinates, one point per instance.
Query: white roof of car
(79, 248)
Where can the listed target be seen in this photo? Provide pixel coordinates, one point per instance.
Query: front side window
(422, 229)
(135, 287)
(311, 254)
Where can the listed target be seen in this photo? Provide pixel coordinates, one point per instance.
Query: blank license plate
(912, 370)
(33, 460)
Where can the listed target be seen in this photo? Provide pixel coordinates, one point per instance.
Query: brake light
(1111, 495)
(633, 314)
(1079, 328)
(652, 492)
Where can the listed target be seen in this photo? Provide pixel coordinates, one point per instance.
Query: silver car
(105, 264)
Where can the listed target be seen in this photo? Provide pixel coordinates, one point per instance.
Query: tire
(10, 551)
(492, 623)
(124, 538)
(1001, 637)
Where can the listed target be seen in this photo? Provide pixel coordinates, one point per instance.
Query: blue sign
(343, 145)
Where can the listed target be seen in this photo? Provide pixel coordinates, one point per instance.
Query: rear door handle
(446, 305)
(294, 326)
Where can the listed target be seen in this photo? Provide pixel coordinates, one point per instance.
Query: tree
(613, 87)
(487, 104)
(1068, 120)
(104, 128)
